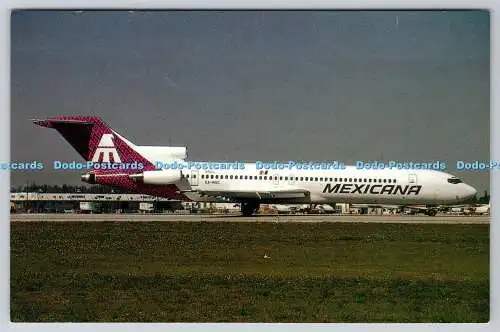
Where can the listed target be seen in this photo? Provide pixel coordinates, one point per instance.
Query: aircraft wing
(266, 194)
(376, 206)
(440, 206)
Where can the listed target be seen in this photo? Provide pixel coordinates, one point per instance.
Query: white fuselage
(95, 141)
(349, 185)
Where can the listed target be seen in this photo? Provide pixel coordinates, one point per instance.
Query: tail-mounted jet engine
(160, 177)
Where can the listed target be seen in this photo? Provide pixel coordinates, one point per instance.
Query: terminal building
(36, 202)
(33, 202)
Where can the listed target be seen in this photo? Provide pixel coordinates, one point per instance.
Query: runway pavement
(402, 219)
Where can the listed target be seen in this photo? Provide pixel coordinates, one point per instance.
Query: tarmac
(400, 219)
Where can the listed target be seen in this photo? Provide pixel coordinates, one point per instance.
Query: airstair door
(193, 178)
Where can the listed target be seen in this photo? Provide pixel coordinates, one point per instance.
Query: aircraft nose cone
(470, 193)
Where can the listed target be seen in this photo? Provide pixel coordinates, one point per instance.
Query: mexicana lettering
(387, 189)
(415, 190)
(346, 188)
(400, 189)
(331, 189)
(357, 188)
(373, 187)
(377, 189)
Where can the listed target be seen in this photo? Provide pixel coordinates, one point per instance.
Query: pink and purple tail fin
(94, 140)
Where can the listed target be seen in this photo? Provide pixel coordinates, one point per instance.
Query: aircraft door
(276, 180)
(193, 178)
(412, 179)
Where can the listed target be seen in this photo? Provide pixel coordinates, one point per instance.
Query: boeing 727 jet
(97, 142)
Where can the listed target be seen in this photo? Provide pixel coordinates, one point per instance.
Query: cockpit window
(454, 180)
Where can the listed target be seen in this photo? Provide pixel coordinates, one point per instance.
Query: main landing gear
(249, 208)
(431, 212)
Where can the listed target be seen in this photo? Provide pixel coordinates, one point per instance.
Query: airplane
(325, 208)
(315, 208)
(300, 208)
(385, 208)
(243, 183)
(282, 209)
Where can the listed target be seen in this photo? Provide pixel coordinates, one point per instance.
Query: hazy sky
(258, 85)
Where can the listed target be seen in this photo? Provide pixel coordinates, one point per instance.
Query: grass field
(216, 272)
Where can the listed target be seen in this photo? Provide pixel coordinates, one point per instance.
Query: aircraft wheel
(432, 213)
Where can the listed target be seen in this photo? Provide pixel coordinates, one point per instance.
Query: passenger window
(315, 179)
(301, 178)
(286, 178)
(265, 177)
